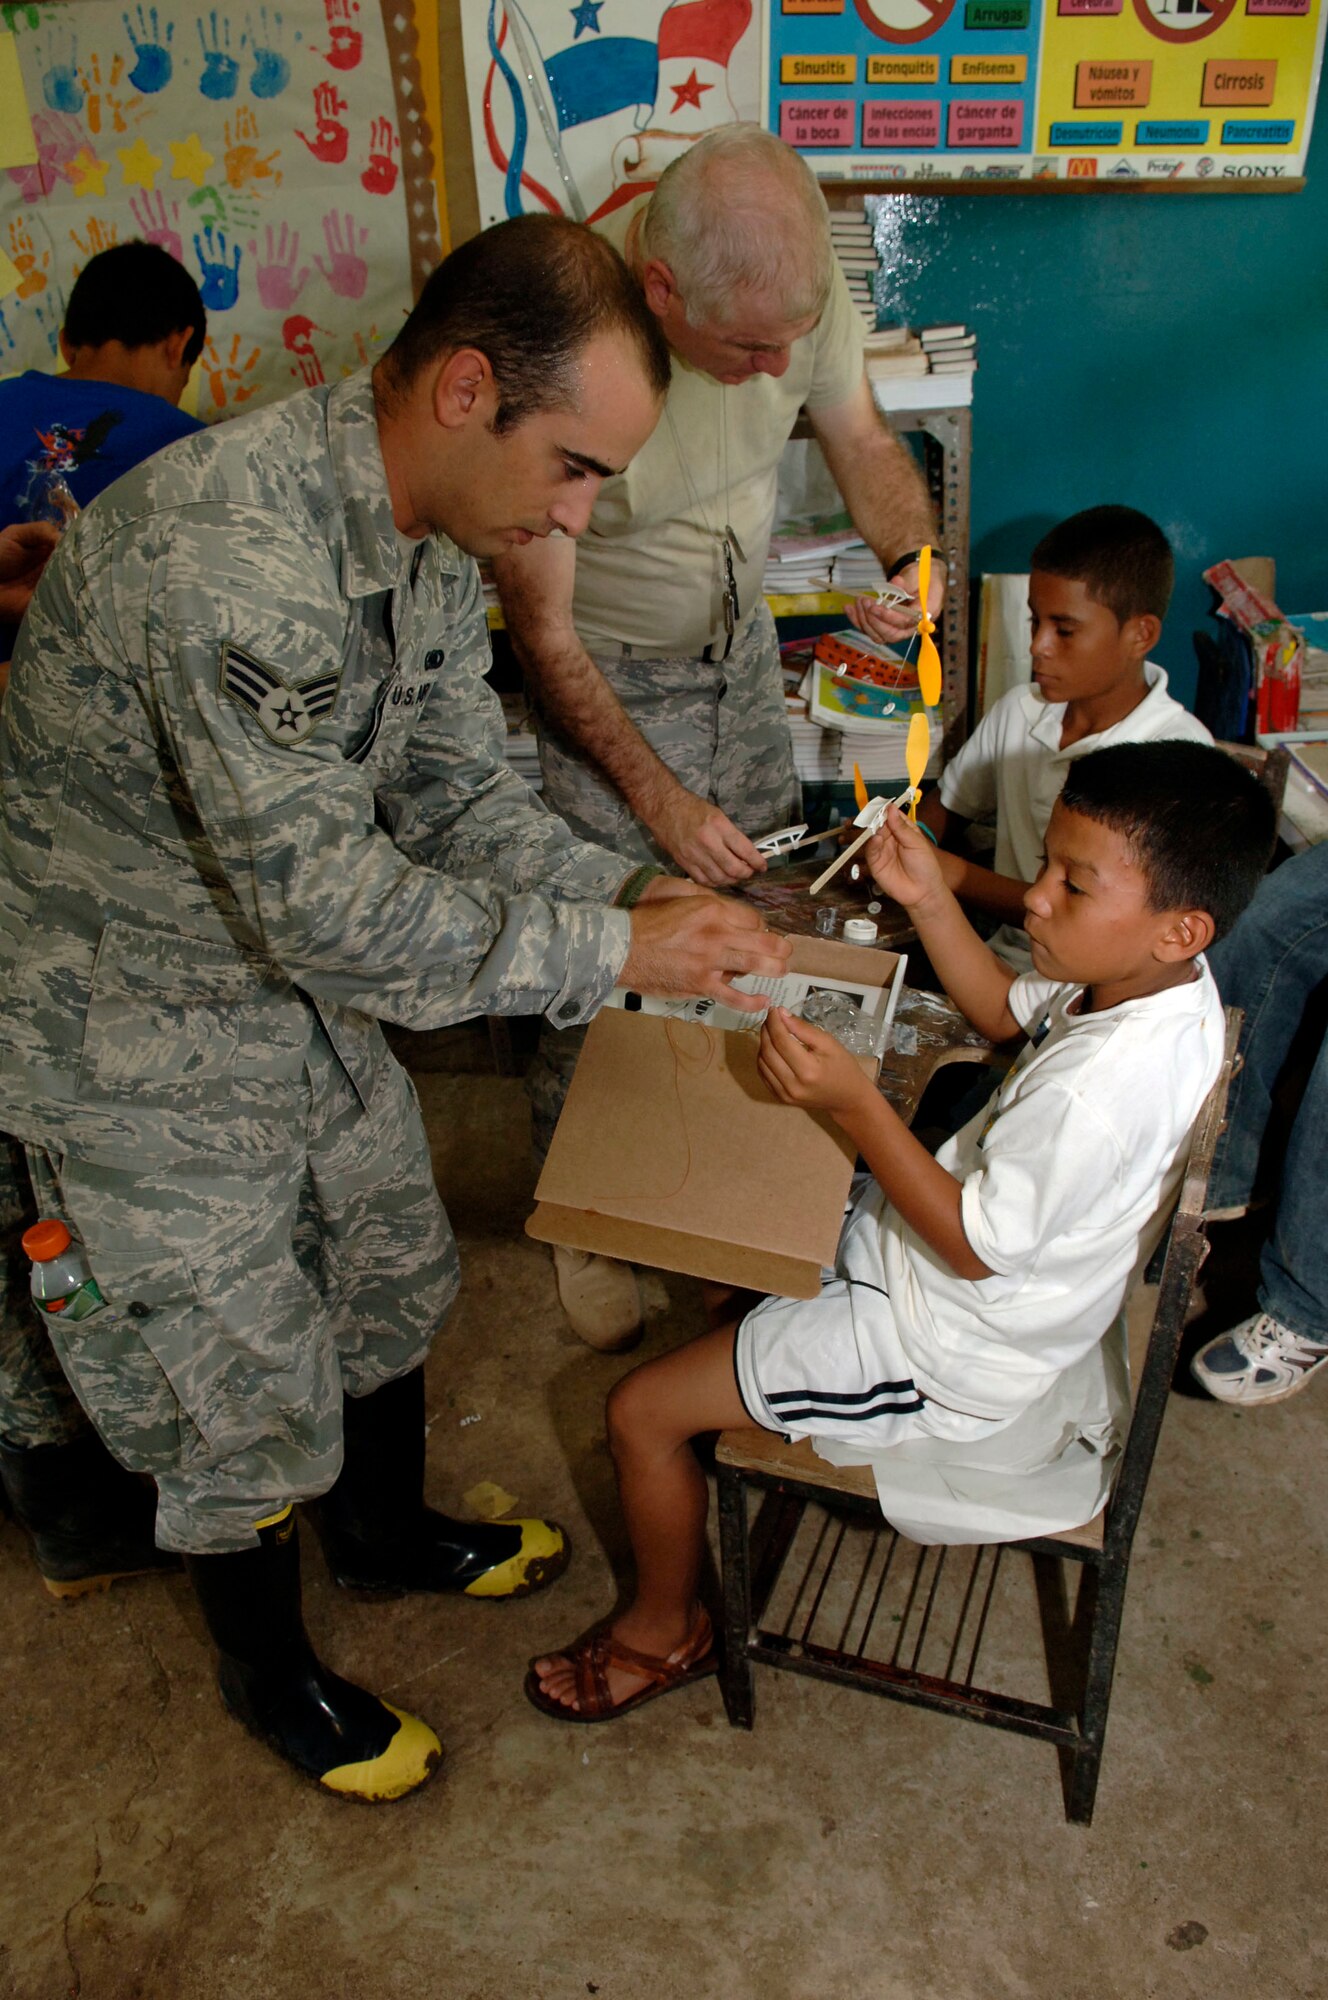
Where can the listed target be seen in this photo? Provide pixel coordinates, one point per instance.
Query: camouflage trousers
(722, 729)
(244, 1298)
(37, 1405)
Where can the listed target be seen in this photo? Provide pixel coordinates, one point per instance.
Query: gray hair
(740, 211)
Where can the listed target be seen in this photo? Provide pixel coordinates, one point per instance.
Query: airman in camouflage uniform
(255, 795)
(255, 798)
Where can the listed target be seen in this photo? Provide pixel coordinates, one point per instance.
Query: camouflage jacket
(253, 778)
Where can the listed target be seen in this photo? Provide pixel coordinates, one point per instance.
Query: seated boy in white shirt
(965, 1284)
(1097, 594)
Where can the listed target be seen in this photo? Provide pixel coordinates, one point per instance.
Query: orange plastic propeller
(929, 660)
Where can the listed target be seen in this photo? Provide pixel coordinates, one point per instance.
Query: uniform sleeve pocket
(162, 1024)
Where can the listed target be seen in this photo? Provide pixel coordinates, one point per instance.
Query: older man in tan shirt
(648, 645)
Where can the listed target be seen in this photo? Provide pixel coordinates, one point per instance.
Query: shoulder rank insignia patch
(288, 712)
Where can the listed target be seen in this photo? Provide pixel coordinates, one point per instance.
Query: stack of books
(827, 756)
(857, 570)
(803, 554)
(934, 350)
(903, 367)
(893, 350)
(855, 247)
(950, 350)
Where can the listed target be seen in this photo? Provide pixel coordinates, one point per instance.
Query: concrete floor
(848, 1849)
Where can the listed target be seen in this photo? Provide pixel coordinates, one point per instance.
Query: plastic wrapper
(842, 1018)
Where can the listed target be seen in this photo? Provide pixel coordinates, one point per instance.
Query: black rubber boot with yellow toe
(379, 1535)
(90, 1521)
(273, 1682)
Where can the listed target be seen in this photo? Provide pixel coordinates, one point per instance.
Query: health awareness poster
(1158, 90)
(259, 143)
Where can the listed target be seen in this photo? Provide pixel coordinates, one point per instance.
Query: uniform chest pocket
(163, 1020)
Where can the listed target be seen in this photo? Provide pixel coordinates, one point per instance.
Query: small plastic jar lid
(859, 930)
(46, 1240)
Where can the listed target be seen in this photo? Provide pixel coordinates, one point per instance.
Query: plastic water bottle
(48, 497)
(61, 1280)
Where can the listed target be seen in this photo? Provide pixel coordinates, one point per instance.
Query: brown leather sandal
(599, 1650)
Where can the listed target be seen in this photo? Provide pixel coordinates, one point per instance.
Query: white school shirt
(1013, 765)
(1062, 1189)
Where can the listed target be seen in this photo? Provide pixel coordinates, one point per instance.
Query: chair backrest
(1186, 1248)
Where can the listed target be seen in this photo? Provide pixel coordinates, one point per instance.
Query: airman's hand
(694, 945)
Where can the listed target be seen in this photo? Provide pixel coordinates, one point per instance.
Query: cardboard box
(671, 1151)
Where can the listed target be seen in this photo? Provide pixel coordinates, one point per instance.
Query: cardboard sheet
(671, 1151)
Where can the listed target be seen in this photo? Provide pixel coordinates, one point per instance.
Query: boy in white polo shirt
(968, 1285)
(1098, 593)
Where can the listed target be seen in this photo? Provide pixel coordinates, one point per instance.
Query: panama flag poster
(578, 105)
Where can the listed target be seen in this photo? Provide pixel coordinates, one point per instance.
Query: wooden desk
(781, 896)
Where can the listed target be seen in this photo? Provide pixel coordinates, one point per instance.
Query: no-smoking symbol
(1182, 20)
(907, 20)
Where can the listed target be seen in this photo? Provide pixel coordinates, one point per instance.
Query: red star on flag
(689, 92)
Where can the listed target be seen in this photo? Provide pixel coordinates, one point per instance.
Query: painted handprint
(279, 283)
(32, 269)
(60, 139)
(331, 138)
(48, 313)
(224, 210)
(295, 338)
(221, 70)
(62, 86)
(103, 95)
(156, 224)
(101, 235)
(244, 163)
(152, 51)
(380, 176)
(346, 39)
(346, 271)
(7, 339)
(271, 71)
(218, 270)
(226, 373)
(209, 206)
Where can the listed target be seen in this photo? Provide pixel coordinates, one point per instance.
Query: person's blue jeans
(1274, 965)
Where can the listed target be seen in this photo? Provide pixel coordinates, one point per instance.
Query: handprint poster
(577, 108)
(261, 144)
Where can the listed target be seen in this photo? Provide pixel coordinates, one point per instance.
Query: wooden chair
(823, 1586)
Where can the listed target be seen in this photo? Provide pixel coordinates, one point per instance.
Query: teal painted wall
(1166, 351)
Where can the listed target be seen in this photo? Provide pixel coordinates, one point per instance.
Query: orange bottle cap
(45, 1240)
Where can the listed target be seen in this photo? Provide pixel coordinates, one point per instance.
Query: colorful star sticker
(139, 164)
(191, 160)
(585, 18)
(87, 175)
(689, 92)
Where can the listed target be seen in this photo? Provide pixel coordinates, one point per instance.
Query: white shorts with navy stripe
(834, 1366)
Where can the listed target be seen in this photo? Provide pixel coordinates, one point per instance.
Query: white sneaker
(1259, 1361)
(600, 1297)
